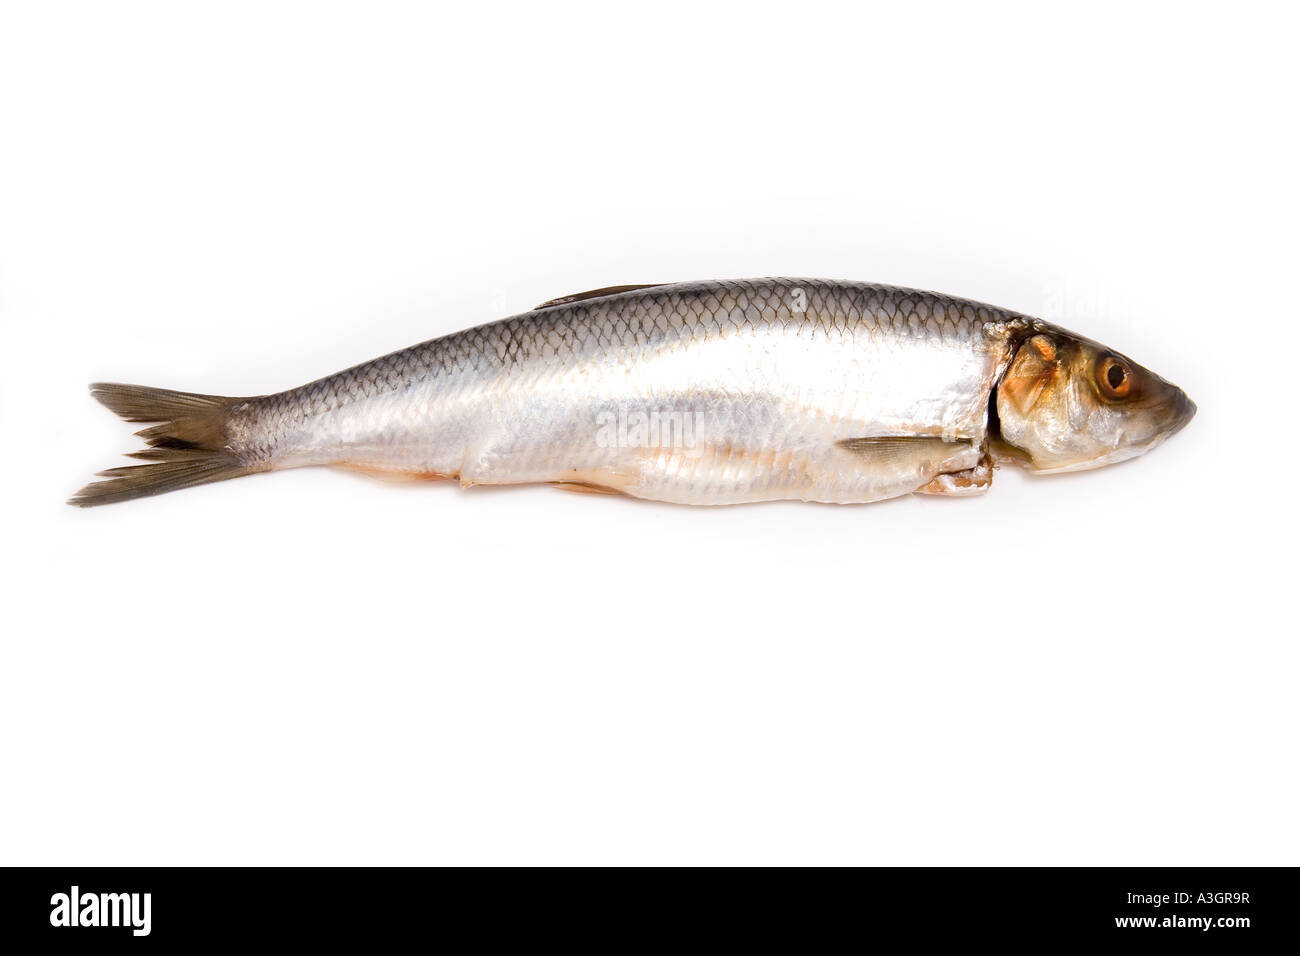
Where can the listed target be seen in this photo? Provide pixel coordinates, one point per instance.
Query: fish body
(693, 393)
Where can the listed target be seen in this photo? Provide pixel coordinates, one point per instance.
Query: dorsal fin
(595, 294)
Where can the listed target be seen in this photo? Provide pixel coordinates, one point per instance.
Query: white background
(314, 668)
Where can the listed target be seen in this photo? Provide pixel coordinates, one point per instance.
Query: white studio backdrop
(311, 667)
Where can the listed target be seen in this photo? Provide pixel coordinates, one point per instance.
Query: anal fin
(392, 474)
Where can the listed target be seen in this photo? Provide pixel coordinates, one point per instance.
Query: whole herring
(704, 393)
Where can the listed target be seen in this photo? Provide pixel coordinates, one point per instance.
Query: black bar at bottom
(1225, 907)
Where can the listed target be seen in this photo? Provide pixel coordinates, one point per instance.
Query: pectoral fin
(911, 451)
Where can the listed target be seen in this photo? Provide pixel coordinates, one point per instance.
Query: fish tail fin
(188, 447)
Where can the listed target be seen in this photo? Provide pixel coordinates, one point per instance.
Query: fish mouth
(1184, 412)
(1177, 412)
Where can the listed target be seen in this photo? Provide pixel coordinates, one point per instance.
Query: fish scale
(522, 400)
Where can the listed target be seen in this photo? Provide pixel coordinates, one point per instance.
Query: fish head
(1066, 403)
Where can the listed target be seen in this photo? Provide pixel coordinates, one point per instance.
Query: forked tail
(189, 447)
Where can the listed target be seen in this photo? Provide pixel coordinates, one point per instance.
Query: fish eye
(1113, 377)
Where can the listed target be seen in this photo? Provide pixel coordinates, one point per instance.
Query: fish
(694, 393)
